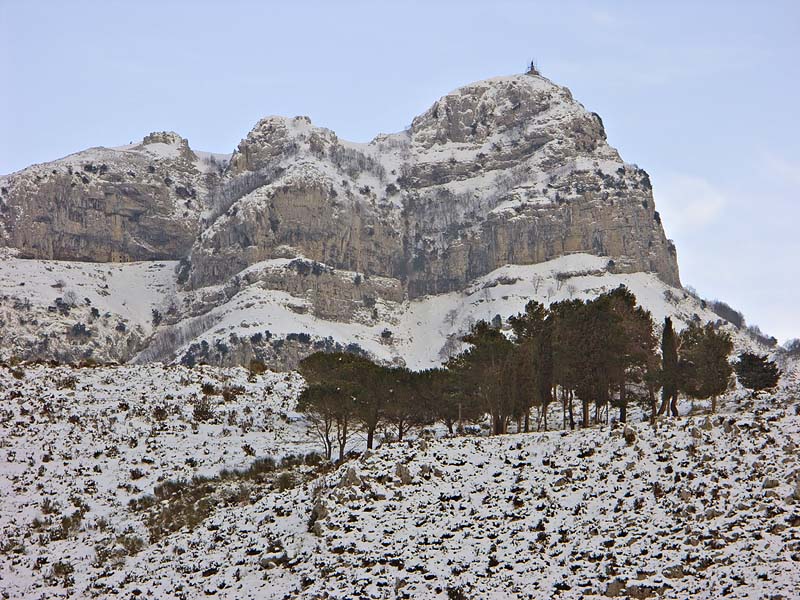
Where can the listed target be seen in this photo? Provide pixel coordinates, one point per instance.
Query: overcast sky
(704, 96)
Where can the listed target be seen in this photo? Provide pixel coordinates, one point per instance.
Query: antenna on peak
(533, 68)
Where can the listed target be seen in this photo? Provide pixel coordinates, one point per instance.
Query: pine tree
(756, 372)
(633, 358)
(669, 369)
(483, 373)
(534, 364)
(569, 352)
(355, 373)
(331, 410)
(403, 407)
(704, 368)
(602, 345)
(438, 394)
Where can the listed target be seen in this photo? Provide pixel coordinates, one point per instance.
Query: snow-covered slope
(700, 507)
(280, 310)
(88, 441)
(419, 333)
(73, 311)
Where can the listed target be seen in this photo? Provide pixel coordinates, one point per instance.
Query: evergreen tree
(403, 407)
(483, 373)
(355, 373)
(330, 409)
(633, 356)
(704, 368)
(756, 372)
(602, 354)
(669, 369)
(438, 397)
(569, 354)
(534, 364)
(586, 340)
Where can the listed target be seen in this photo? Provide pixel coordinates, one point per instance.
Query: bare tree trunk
(571, 412)
(673, 405)
(497, 425)
(664, 404)
(652, 394)
(341, 435)
(328, 443)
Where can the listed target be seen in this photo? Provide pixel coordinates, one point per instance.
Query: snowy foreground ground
(701, 507)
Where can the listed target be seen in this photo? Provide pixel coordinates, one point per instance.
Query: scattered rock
(630, 435)
(403, 474)
(674, 572)
(616, 588)
(349, 479)
(730, 427)
(658, 490)
(641, 591)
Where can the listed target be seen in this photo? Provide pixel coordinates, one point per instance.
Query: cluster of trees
(348, 393)
(596, 355)
(602, 353)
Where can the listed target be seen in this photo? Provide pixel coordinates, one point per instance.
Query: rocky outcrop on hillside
(137, 202)
(510, 170)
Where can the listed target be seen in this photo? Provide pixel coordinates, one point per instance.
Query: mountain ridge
(511, 170)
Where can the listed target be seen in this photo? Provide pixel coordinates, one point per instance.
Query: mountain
(504, 189)
(182, 474)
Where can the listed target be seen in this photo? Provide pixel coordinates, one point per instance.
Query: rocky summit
(507, 171)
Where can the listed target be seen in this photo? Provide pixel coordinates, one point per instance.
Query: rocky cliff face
(137, 202)
(506, 171)
(511, 170)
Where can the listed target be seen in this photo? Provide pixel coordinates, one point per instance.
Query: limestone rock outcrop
(136, 202)
(510, 170)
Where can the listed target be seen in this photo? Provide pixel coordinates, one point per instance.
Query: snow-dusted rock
(503, 187)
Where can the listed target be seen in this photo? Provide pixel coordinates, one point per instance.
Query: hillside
(250, 319)
(700, 507)
(155, 302)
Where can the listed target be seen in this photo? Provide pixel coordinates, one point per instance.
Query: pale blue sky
(704, 96)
